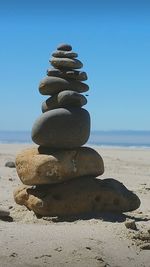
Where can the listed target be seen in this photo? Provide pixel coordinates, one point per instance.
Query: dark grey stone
(64, 47)
(50, 103)
(68, 74)
(53, 85)
(10, 164)
(66, 63)
(64, 54)
(77, 75)
(64, 99)
(62, 128)
(4, 212)
(71, 98)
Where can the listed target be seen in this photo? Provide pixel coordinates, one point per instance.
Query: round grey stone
(68, 74)
(53, 85)
(64, 54)
(62, 128)
(64, 47)
(64, 99)
(66, 63)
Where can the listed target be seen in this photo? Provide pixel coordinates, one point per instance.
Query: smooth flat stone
(68, 74)
(53, 85)
(64, 47)
(62, 128)
(64, 99)
(64, 54)
(39, 165)
(78, 197)
(66, 63)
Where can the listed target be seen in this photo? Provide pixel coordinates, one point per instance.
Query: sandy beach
(102, 241)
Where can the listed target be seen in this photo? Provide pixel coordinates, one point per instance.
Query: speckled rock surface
(42, 166)
(78, 196)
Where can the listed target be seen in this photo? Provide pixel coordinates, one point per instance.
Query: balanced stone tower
(59, 175)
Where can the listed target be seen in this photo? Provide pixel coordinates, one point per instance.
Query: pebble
(53, 85)
(64, 54)
(62, 128)
(130, 224)
(4, 212)
(64, 99)
(66, 63)
(10, 164)
(64, 47)
(68, 74)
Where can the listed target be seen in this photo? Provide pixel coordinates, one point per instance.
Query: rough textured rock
(78, 196)
(63, 54)
(53, 85)
(66, 63)
(64, 99)
(62, 128)
(68, 74)
(64, 47)
(43, 166)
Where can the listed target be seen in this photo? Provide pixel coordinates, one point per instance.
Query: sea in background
(97, 138)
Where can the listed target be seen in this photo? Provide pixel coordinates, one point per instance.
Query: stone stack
(60, 174)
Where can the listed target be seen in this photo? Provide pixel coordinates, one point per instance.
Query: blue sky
(112, 39)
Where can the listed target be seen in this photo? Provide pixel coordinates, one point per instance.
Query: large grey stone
(62, 128)
(64, 54)
(68, 74)
(66, 63)
(64, 99)
(64, 47)
(40, 165)
(77, 197)
(53, 85)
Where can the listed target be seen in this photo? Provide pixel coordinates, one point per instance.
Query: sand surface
(105, 241)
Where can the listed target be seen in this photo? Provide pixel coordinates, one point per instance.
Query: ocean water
(98, 138)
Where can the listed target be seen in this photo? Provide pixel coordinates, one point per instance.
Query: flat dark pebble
(64, 47)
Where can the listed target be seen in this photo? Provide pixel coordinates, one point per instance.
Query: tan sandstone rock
(42, 166)
(78, 196)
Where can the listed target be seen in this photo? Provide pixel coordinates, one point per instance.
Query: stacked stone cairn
(59, 175)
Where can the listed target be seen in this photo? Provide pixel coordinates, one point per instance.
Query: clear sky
(112, 39)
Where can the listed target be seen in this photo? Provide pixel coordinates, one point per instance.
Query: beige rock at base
(78, 196)
(43, 166)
